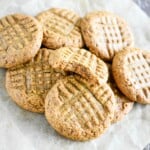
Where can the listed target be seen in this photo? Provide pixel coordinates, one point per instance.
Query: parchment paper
(22, 130)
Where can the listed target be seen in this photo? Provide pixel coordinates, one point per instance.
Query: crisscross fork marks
(68, 15)
(33, 78)
(7, 21)
(28, 25)
(61, 25)
(140, 73)
(38, 78)
(41, 75)
(15, 35)
(5, 25)
(113, 38)
(87, 59)
(112, 34)
(17, 78)
(80, 104)
(109, 34)
(103, 94)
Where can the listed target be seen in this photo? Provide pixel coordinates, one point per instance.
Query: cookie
(81, 62)
(61, 28)
(77, 110)
(20, 39)
(123, 104)
(105, 34)
(131, 71)
(29, 83)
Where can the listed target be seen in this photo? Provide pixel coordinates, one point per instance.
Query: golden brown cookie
(20, 39)
(123, 104)
(77, 110)
(29, 83)
(131, 71)
(80, 61)
(105, 34)
(61, 28)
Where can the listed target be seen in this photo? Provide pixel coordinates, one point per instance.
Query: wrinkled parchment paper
(22, 130)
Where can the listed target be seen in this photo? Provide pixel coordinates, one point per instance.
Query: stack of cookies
(83, 73)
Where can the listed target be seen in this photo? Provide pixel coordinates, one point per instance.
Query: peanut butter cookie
(131, 71)
(20, 39)
(123, 104)
(77, 110)
(29, 83)
(105, 34)
(80, 61)
(61, 28)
